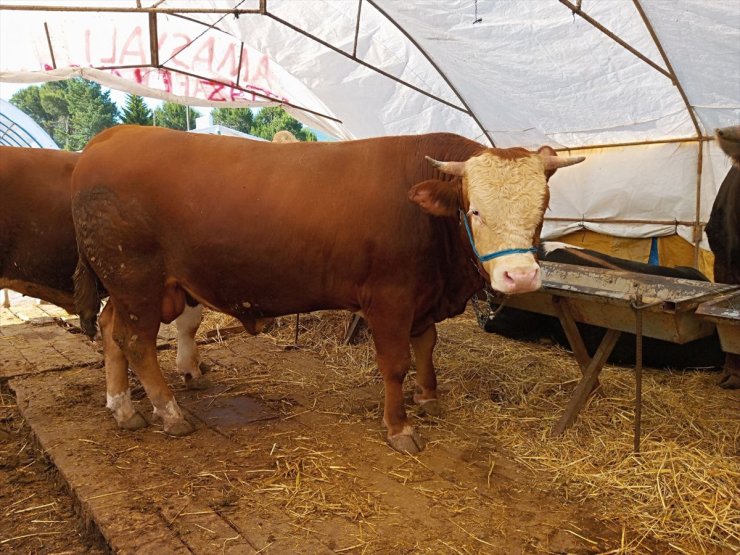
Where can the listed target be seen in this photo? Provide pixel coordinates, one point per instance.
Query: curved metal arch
(441, 73)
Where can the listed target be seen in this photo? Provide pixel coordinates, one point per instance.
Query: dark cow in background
(723, 233)
(257, 229)
(38, 249)
(525, 325)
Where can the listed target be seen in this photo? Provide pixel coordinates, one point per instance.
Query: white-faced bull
(260, 230)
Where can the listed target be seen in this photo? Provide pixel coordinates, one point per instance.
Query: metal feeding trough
(604, 298)
(725, 313)
(654, 306)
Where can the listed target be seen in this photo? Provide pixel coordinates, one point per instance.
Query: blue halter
(491, 256)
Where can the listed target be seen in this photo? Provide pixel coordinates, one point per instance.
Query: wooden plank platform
(282, 463)
(29, 348)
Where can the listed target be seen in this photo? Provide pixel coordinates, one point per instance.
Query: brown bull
(260, 230)
(38, 251)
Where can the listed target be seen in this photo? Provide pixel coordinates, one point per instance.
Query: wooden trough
(653, 306)
(725, 313)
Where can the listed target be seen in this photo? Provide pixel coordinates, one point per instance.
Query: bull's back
(37, 251)
(241, 221)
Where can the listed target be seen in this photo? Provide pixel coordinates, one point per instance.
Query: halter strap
(492, 255)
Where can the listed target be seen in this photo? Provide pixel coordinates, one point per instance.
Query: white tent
(638, 86)
(18, 129)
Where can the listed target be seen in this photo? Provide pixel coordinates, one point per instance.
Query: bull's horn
(555, 162)
(451, 168)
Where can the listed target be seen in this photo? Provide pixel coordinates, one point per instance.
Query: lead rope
(486, 313)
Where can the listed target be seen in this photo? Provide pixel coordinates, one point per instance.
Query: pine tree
(136, 112)
(72, 111)
(90, 111)
(173, 116)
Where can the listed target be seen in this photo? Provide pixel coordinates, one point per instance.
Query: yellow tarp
(673, 250)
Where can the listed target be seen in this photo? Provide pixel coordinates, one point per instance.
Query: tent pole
(577, 10)
(697, 223)
(636, 143)
(692, 115)
(436, 67)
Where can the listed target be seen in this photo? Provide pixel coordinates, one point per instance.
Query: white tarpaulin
(640, 84)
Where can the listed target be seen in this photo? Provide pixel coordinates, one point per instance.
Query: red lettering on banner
(263, 71)
(112, 59)
(166, 79)
(204, 56)
(133, 47)
(229, 58)
(176, 51)
(87, 47)
(216, 92)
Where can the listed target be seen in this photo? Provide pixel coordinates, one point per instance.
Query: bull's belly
(63, 299)
(249, 299)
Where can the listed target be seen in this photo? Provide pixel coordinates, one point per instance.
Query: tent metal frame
(262, 10)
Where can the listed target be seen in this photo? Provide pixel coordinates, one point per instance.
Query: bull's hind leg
(188, 360)
(425, 393)
(136, 335)
(118, 394)
(391, 338)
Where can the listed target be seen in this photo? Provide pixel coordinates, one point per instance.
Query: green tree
(72, 111)
(241, 119)
(174, 116)
(136, 112)
(269, 121)
(46, 105)
(90, 111)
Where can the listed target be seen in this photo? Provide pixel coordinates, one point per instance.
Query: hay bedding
(500, 393)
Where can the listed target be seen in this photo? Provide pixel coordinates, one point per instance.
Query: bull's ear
(438, 198)
(547, 151)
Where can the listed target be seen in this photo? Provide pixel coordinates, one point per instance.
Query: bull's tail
(87, 297)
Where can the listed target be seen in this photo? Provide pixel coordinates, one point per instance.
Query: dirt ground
(288, 457)
(38, 513)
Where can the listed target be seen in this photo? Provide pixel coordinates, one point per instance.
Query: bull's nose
(522, 281)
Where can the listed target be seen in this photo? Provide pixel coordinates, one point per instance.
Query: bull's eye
(473, 212)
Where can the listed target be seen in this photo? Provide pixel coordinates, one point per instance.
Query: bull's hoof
(200, 382)
(431, 407)
(179, 428)
(204, 367)
(406, 442)
(730, 381)
(133, 422)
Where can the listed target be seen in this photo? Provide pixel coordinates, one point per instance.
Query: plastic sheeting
(18, 129)
(510, 72)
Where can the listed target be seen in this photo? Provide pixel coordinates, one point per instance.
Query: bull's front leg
(391, 339)
(188, 360)
(425, 393)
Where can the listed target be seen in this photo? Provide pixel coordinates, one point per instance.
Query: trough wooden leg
(6, 299)
(425, 393)
(585, 386)
(562, 309)
(354, 327)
